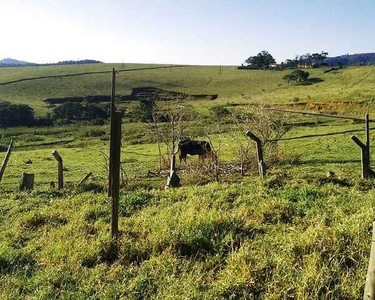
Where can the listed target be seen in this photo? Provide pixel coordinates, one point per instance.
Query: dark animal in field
(201, 148)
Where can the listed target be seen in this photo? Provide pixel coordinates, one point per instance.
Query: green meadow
(231, 85)
(303, 232)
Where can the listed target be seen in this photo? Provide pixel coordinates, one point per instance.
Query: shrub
(16, 115)
(144, 112)
(295, 99)
(80, 111)
(220, 111)
(298, 76)
(269, 126)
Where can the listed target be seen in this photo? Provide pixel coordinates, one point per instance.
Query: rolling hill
(10, 62)
(304, 232)
(353, 84)
(351, 59)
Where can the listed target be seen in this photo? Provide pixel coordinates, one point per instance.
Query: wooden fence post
(173, 180)
(261, 164)
(365, 151)
(83, 180)
(112, 126)
(27, 182)
(369, 292)
(242, 161)
(60, 171)
(115, 172)
(6, 159)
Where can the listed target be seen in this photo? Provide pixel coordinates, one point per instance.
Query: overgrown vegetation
(76, 111)
(16, 115)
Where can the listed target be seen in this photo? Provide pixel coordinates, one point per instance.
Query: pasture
(302, 233)
(231, 85)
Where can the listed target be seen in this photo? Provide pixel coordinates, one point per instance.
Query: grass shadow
(326, 161)
(311, 81)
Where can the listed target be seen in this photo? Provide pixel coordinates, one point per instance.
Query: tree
(269, 126)
(80, 111)
(298, 76)
(262, 60)
(144, 112)
(305, 59)
(314, 60)
(289, 78)
(291, 63)
(68, 110)
(220, 112)
(301, 76)
(318, 58)
(16, 115)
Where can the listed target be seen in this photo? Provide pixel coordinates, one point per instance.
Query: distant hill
(351, 59)
(10, 62)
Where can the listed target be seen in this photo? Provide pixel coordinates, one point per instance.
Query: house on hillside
(275, 66)
(306, 65)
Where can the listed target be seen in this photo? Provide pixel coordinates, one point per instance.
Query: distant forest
(75, 62)
(351, 59)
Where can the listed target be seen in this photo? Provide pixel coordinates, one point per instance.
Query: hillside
(9, 62)
(303, 232)
(351, 59)
(354, 84)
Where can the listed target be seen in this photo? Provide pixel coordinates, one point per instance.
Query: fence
(73, 165)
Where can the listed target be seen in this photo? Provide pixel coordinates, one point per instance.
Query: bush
(144, 112)
(16, 115)
(80, 111)
(269, 126)
(298, 76)
(220, 111)
(95, 133)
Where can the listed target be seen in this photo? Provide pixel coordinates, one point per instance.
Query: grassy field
(298, 234)
(354, 84)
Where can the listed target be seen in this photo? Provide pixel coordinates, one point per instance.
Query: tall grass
(222, 241)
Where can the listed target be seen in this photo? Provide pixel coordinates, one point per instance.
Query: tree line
(264, 60)
(13, 115)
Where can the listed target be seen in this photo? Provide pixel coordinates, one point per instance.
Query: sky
(205, 32)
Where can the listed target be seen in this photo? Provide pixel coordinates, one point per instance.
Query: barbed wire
(316, 114)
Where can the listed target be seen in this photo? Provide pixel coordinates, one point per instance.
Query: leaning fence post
(6, 159)
(173, 180)
(369, 292)
(83, 180)
(60, 175)
(365, 151)
(261, 163)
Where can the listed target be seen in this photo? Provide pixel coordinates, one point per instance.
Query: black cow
(201, 148)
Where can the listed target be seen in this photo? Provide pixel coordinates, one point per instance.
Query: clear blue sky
(188, 32)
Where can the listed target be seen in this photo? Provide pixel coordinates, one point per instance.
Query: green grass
(296, 235)
(253, 240)
(239, 86)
